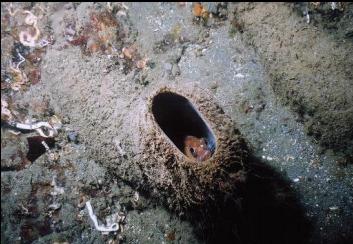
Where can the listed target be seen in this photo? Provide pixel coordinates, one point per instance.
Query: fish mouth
(204, 156)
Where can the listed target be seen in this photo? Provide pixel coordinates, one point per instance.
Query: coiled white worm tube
(113, 227)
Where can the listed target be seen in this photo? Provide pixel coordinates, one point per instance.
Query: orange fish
(196, 148)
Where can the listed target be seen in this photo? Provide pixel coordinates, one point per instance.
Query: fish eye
(193, 152)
